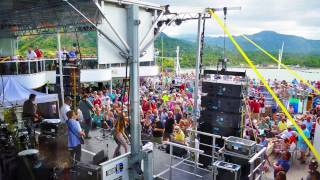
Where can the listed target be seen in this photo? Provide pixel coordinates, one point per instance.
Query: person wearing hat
(66, 107)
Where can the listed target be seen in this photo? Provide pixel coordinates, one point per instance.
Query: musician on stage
(29, 114)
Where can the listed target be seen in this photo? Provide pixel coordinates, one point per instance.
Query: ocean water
(282, 74)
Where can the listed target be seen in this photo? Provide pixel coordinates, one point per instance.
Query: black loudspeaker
(177, 151)
(222, 89)
(227, 171)
(52, 129)
(88, 171)
(245, 166)
(206, 160)
(225, 131)
(221, 104)
(222, 119)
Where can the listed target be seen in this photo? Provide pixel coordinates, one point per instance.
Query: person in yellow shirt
(179, 135)
(165, 97)
(282, 125)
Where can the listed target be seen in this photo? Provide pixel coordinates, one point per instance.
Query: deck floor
(162, 161)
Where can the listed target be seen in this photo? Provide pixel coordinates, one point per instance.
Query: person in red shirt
(255, 109)
(145, 106)
(153, 105)
(261, 101)
(182, 87)
(97, 101)
(38, 53)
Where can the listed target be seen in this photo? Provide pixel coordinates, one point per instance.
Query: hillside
(269, 40)
(48, 42)
(212, 51)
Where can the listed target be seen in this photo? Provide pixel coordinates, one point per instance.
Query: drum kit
(18, 137)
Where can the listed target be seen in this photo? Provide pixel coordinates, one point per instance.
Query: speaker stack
(71, 79)
(221, 113)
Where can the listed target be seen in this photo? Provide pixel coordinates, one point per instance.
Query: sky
(294, 17)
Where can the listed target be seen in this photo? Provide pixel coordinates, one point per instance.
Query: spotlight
(178, 22)
(159, 24)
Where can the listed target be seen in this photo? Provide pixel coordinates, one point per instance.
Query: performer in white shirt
(31, 54)
(65, 108)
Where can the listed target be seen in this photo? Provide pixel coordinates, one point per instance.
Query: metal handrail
(256, 156)
(171, 144)
(25, 66)
(253, 169)
(185, 147)
(206, 134)
(42, 59)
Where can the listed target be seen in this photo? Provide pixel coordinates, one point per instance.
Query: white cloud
(296, 17)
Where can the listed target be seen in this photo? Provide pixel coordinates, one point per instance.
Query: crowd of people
(166, 109)
(268, 125)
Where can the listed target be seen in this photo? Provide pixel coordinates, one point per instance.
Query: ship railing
(17, 67)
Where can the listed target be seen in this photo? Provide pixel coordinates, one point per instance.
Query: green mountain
(213, 49)
(269, 40)
(48, 42)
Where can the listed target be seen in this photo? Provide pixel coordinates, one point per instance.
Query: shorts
(262, 110)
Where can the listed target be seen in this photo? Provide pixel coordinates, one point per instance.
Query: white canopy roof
(12, 93)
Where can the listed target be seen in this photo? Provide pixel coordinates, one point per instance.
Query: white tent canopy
(12, 93)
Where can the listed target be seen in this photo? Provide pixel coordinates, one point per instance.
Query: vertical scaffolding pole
(177, 62)
(196, 83)
(60, 68)
(133, 40)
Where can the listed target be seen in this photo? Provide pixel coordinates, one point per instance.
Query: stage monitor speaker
(227, 171)
(222, 89)
(222, 119)
(221, 104)
(243, 162)
(177, 151)
(88, 171)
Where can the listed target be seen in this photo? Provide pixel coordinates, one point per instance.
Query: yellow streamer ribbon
(265, 83)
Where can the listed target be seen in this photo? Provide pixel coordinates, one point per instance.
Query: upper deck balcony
(36, 73)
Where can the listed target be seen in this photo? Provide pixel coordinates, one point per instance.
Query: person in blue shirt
(282, 164)
(74, 135)
(263, 141)
(308, 123)
(294, 81)
(72, 53)
(302, 145)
